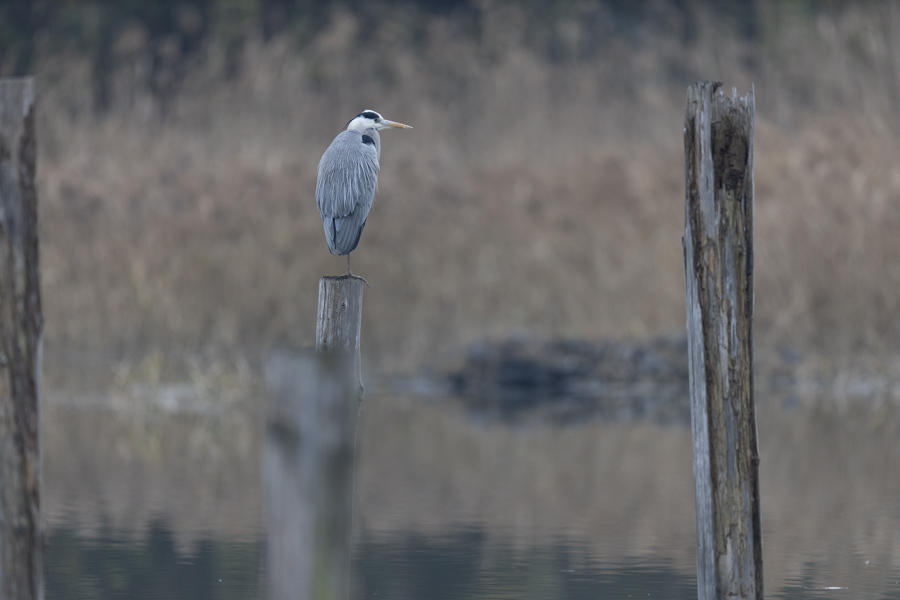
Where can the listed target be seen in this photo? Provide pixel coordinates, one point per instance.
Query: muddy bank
(528, 379)
(568, 380)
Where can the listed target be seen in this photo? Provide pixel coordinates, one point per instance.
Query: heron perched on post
(348, 175)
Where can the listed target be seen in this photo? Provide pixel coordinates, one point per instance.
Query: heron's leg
(349, 274)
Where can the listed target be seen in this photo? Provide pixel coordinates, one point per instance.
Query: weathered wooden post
(310, 452)
(718, 258)
(21, 323)
(339, 319)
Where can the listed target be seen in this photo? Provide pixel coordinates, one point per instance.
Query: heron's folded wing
(345, 189)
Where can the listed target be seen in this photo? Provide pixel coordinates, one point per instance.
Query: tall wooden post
(21, 323)
(310, 452)
(718, 258)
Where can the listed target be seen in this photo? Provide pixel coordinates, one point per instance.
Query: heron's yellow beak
(394, 124)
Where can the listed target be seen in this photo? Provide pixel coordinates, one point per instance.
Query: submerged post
(21, 323)
(310, 453)
(308, 464)
(718, 259)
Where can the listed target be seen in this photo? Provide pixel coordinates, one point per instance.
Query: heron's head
(369, 119)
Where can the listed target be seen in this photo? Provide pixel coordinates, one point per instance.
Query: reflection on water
(113, 566)
(468, 564)
(408, 566)
(165, 505)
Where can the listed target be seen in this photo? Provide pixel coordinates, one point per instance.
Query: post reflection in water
(112, 565)
(449, 506)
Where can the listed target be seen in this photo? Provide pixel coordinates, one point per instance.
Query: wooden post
(718, 258)
(21, 322)
(339, 319)
(308, 464)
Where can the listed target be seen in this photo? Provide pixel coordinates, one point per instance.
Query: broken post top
(716, 91)
(718, 144)
(707, 102)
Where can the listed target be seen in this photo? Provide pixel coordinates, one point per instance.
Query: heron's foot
(353, 276)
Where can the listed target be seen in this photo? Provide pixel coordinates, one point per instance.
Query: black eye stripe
(368, 140)
(369, 114)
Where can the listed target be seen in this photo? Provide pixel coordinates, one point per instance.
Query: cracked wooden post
(339, 319)
(21, 323)
(718, 258)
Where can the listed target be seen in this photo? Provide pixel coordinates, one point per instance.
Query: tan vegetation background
(541, 190)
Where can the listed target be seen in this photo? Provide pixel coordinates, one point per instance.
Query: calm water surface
(165, 504)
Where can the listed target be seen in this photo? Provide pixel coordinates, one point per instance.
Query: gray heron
(348, 176)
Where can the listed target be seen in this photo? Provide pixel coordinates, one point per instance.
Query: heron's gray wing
(345, 189)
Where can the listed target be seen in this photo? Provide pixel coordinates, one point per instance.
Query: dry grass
(532, 195)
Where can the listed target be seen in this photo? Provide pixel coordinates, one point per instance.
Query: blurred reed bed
(539, 191)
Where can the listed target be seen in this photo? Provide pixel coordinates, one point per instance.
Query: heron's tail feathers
(342, 234)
